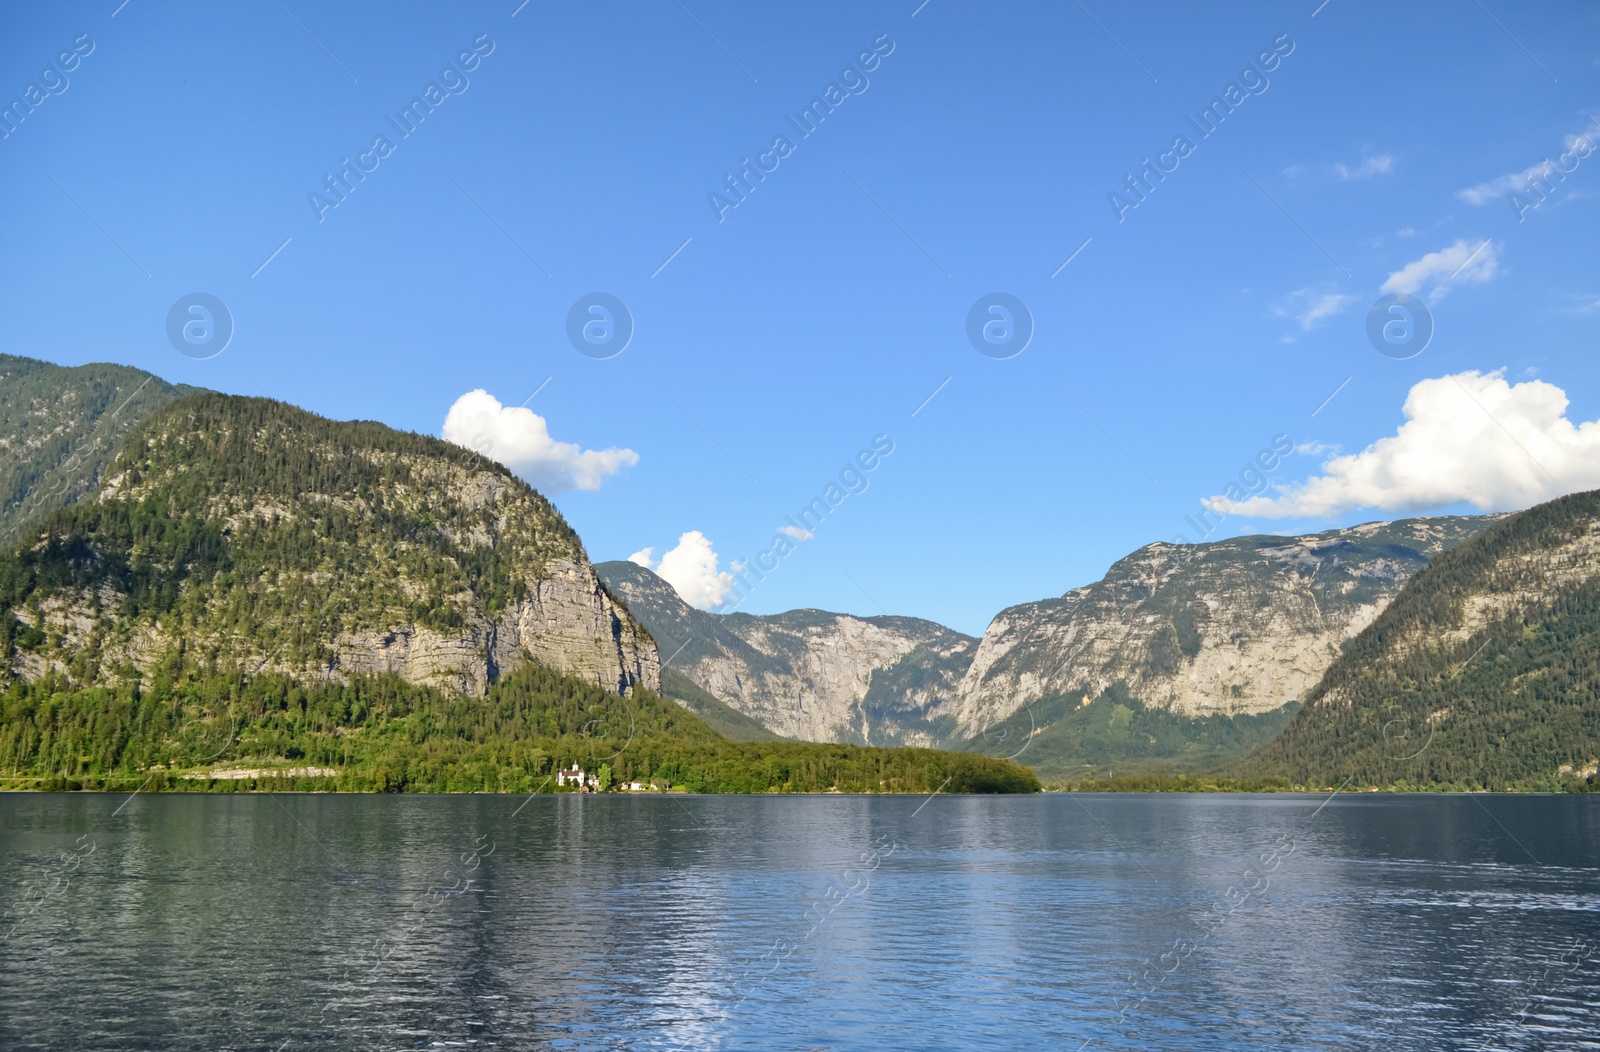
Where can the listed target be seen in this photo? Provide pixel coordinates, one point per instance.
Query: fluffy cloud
(519, 439)
(1470, 437)
(1369, 167)
(1312, 307)
(1545, 173)
(691, 569)
(796, 532)
(1463, 263)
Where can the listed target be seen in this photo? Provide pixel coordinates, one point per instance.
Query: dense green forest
(382, 734)
(1418, 700)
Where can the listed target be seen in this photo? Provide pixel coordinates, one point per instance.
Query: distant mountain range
(152, 528)
(1181, 656)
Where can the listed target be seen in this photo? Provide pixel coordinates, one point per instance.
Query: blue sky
(978, 155)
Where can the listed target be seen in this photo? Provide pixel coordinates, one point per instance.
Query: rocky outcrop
(1231, 627)
(569, 622)
(816, 681)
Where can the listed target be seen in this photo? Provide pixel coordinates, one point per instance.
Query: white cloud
(1311, 307)
(1463, 263)
(519, 439)
(691, 569)
(1369, 167)
(1468, 438)
(1409, 231)
(1495, 189)
(796, 532)
(1534, 180)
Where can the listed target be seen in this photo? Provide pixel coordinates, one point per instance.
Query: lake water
(1170, 922)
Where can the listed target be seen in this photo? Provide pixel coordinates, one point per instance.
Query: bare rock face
(818, 687)
(569, 622)
(1233, 627)
(572, 623)
(806, 674)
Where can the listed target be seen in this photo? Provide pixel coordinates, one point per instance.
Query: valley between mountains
(187, 569)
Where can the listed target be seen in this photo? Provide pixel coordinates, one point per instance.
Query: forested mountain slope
(59, 429)
(1484, 671)
(245, 533)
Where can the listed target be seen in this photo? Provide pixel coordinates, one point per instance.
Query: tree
(605, 777)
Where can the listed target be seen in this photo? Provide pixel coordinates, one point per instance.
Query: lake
(822, 922)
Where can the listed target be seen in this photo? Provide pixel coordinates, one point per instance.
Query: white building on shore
(576, 777)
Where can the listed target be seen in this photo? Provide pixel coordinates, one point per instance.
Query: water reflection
(823, 922)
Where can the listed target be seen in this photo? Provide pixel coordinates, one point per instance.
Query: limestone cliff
(807, 674)
(1232, 627)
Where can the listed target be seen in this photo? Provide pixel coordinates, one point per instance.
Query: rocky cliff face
(1236, 627)
(254, 535)
(568, 622)
(807, 674)
(1231, 627)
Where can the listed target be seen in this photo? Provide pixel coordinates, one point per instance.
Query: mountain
(1484, 672)
(245, 533)
(804, 674)
(258, 598)
(1182, 658)
(1239, 627)
(59, 429)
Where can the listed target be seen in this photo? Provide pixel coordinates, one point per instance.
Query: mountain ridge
(1240, 626)
(60, 427)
